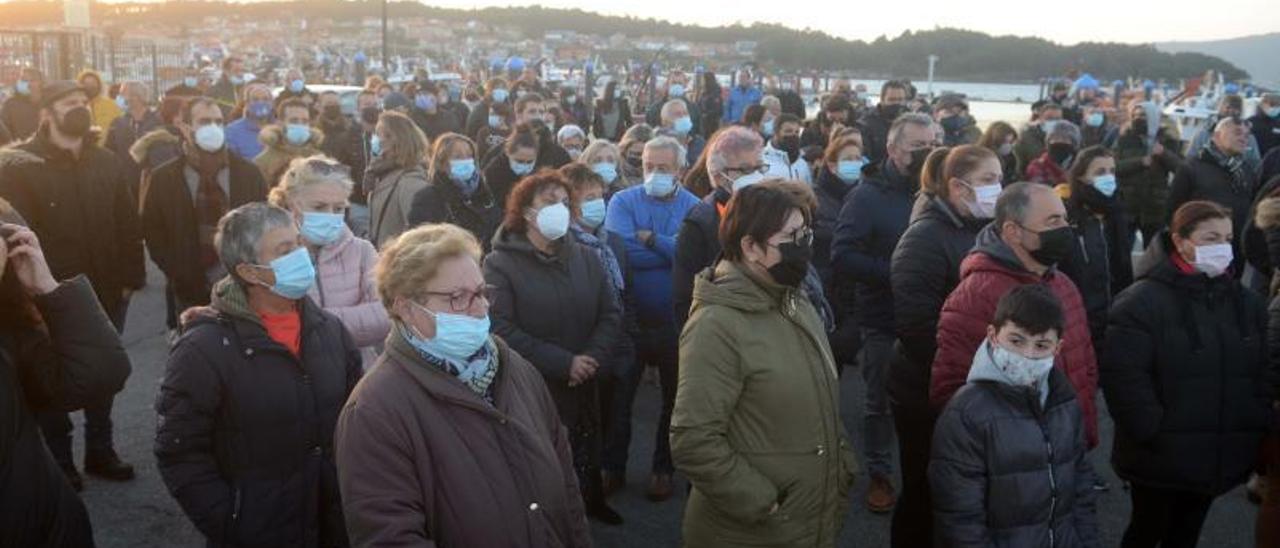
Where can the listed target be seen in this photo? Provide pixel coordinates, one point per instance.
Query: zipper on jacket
(1053, 483)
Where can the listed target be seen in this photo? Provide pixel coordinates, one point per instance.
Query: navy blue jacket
(873, 218)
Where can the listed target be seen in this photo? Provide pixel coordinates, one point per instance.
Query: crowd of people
(425, 322)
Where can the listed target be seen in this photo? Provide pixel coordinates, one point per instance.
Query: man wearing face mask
(227, 90)
(1265, 124)
(188, 87)
(1219, 174)
(677, 89)
(531, 111)
(188, 196)
(292, 136)
(876, 122)
(1061, 145)
(1023, 245)
(1032, 139)
(76, 198)
(295, 87)
(874, 215)
(343, 136)
(1231, 106)
(677, 123)
(782, 153)
(1146, 154)
(428, 113)
(648, 217)
(242, 134)
(21, 111)
(743, 94)
(139, 119)
(952, 113)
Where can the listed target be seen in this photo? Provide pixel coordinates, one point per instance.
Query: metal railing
(61, 55)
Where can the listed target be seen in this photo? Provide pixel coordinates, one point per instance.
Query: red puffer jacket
(989, 272)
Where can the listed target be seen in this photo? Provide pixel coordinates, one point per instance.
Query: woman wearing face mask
(480, 117)
(604, 158)
(839, 171)
(537, 274)
(957, 198)
(517, 160)
(1061, 146)
(396, 174)
(453, 439)
(1000, 138)
(457, 194)
(316, 191)
(1187, 379)
(613, 114)
(764, 472)
(631, 150)
(498, 126)
(251, 395)
(1101, 262)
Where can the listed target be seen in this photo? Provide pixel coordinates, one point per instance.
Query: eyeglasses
(463, 300)
(758, 168)
(322, 167)
(802, 236)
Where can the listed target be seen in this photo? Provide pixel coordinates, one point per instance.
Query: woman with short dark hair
(554, 303)
(756, 426)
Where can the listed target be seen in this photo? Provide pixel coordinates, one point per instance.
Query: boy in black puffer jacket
(1017, 414)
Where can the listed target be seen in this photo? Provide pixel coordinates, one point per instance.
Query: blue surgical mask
(23, 87)
(297, 86)
(495, 121)
(499, 95)
(375, 145)
(458, 337)
(190, 81)
(553, 221)
(659, 185)
(122, 102)
(294, 274)
(322, 228)
(1048, 126)
(606, 170)
(676, 90)
(683, 125)
(260, 110)
(210, 137)
(747, 180)
(593, 212)
(767, 128)
(849, 171)
(521, 168)
(1106, 184)
(297, 134)
(424, 102)
(236, 80)
(1272, 112)
(462, 170)
(1095, 119)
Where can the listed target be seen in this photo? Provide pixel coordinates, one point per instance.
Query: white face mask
(983, 206)
(1020, 370)
(1213, 260)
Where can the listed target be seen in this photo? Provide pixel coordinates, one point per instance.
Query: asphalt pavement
(141, 513)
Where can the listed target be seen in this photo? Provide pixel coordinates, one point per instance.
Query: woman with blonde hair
(316, 191)
(395, 175)
(605, 159)
(457, 193)
(453, 439)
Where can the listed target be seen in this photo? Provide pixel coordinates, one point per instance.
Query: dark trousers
(1165, 517)
(658, 346)
(617, 396)
(912, 524)
(56, 426)
(584, 438)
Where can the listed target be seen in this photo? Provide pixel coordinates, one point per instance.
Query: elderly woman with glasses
(251, 395)
(316, 190)
(555, 303)
(452, 439)
(756, 426)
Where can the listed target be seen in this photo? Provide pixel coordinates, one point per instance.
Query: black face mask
(1139, 126)
(891, 112)
(794, 265)
(332, 111)
(1055, 245)
(790, 145)
(369, 115)
(76, 122)
(1061, 153)
(634, 161)
(918, 157)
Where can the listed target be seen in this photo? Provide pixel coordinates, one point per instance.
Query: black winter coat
(345, 141)
(172, 231)
(1186, 374)
(442, 201)
(1007, 471)
(1101, 262)
(244, 440)
(83, 211)
(21, 115)
(73, 359)
(925, 268)
(552, 308)
(875, 135)
(697, 247)
(1266, 130)
(873, 217)
(830, 191)
(435, 125)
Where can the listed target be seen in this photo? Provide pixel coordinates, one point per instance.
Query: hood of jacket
(229, 298)
(272, 136)
(988, 243)
(985, 369)
(102, 84)
(730, 285)
(13, 156)
(142, 147)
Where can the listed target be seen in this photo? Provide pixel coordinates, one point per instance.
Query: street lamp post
(932, 60)
(384, 38)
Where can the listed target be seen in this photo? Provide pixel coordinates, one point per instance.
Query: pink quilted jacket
(344, 287)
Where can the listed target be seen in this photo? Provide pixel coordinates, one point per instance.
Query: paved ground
(141, 513)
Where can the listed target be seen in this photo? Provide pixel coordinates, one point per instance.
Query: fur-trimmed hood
(272, 136)
(12, 156)
(1268, 214)
(143, 146)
